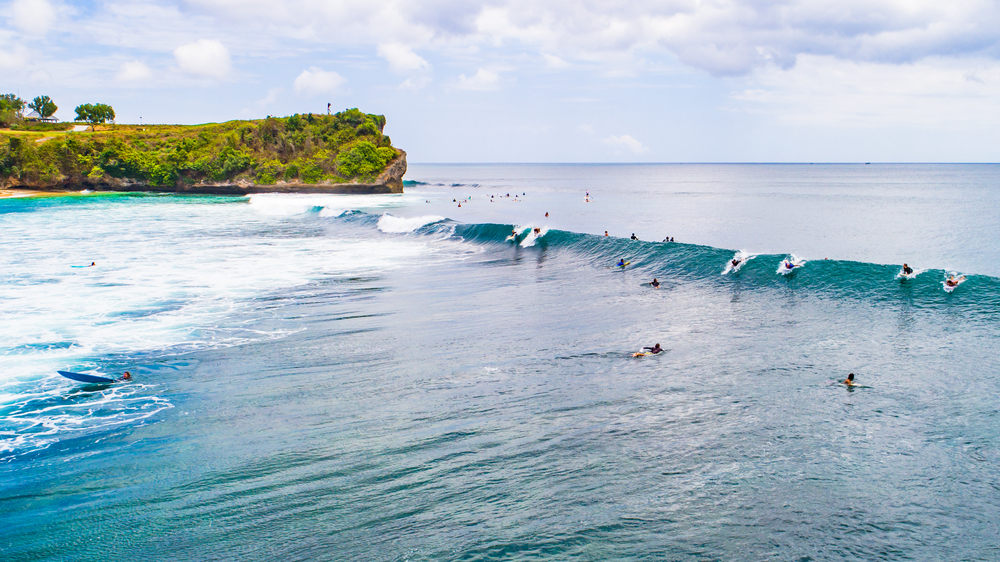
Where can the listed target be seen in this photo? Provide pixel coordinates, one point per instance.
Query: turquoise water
(390, 378)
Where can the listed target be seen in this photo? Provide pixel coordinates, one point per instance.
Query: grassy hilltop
(347, 147)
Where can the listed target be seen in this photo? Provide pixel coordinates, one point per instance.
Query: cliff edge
(342, 153)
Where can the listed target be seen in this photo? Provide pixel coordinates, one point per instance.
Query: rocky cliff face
(389, 181)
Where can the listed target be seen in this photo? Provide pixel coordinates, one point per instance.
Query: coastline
(389, 181)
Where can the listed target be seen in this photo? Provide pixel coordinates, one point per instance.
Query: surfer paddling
(849, 381)
(656, 349)
(655, 284)
(953, 281)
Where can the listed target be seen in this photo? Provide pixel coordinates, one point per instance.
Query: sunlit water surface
(390, 378)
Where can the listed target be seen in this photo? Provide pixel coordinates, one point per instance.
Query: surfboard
(81, 266)
(83, 377)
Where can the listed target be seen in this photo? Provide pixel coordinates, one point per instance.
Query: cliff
(342, 153)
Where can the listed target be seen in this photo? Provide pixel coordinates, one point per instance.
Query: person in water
(736, 262)
(954, 281)
(789, 265)
(653, 350)
(92, 264)
(621, 263)
(546, 214)
(605, 232)
(655, 283)
(126, 377)
(907, 269)
(538, 230)
(849, 381)
(633, 236)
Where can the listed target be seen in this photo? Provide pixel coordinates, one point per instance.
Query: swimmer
(653, 350)
(655, 283)
(126, 377)
(849, 381)
(907, 269)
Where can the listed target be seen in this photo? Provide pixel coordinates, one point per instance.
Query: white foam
(796, 262)
(958, 278)
(741, 255)
(327, 205)
(401, 225)
(532, 236)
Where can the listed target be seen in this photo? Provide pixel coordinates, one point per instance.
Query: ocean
(426, 377)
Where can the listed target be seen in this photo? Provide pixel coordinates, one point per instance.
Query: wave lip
(390, 224)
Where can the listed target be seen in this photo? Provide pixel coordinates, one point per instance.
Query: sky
(542, 80)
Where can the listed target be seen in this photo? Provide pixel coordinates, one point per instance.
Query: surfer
(633, 236)
(546, 214)
(953, 281)
(653, 350)
(621, 263)
(736, 262)
(605, 232)
(655, 284)
(849, 381)
(907, 269)
(789, 265)
(538, 230)
(92, 264)
(126, 377)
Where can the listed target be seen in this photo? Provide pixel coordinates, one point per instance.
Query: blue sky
(542, 80)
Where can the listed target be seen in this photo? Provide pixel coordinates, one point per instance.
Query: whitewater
(447, 374)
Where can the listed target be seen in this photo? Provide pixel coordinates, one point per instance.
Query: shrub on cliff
(364, 159)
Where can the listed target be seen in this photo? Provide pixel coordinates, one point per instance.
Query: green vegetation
(95, 114)
(308, 148)
(44, 106)
(10, 109)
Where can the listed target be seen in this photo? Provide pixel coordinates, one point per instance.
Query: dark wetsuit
(653, 350)
(655, 283)
(907, 271)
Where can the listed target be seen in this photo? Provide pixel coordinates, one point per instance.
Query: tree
(94, 113)
(10, 109)
(10, 102)
(44, 106)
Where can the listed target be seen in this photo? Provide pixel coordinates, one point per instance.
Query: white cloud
(484, 80)
(401, 58)
(415, 83)
(33, 16)
(823, 90)
(271, 97)
(204, 58)
(625, 142)
(133, 71)
(14, 59)
(316, 81)
(555, 62)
